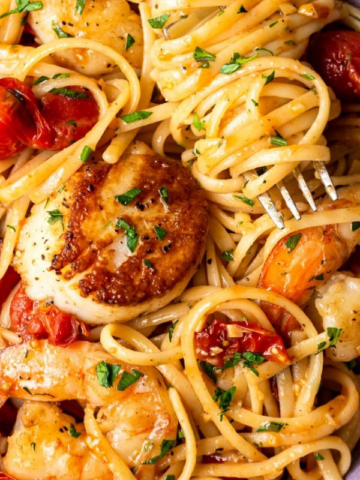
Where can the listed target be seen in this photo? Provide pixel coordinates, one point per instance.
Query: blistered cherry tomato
(70, 118)
(335, 55)
(22, 116)
(213, 342)
(32, 319)
(5, 476)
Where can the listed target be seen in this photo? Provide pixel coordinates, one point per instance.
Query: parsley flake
(166, 446)
(269, 78)
(278, 140)
(164, 194)
(201, 55)
(318, 457)
(197, 123)
(160, 232)
(232, 361)
(172, 329)
(159, 22)
(131, 235)
(69, 93)
(106, 373)
(228, 255)
(129, 42)
(80, 5)
(307, 76)
(334, 335)
(73, 431)
(40, 80)
(127, 197)
(292, 241)
(271, 427)
(24, 6)
(355, 226)
(136, 116)
(86, 153)
(148, 264)
(242, 9)
(209, 370)
(11, 228)
(246, 200)
(59, 32)
(55, 216)
(225, 398)
(128, 379)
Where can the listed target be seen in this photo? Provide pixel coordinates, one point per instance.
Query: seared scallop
(117, 240)
(110, 22)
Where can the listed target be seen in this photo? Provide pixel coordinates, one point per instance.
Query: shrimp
(135, 419)
(339, 306)
(47, 443)
(303, 261)
(110, 22)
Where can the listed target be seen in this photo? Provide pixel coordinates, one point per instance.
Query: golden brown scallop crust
(88, 231)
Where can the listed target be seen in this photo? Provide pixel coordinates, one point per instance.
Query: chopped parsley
(106, 373)
(242, 9)
(164, 194)
(269, 78)
(291, 43)
(254, 358)
(228, 255)
(11, 228)
(172, 329)
(246, 200)
(273, 24)
(278, 140)
(334, 334)
(55, 216)
(61, 189)
(40, 80)
(351, 365)
(136, 116)
(86, 153)
(232, 361)
(160, 233)
(128, 379)
(159, 22)
(59, 32)
(129, 41)
(271, 427)
(236, 62)
(80, 5)
(127, 197)
(209, 370)
(225, 398)
(201, 55)
(355, 226)
(318, 457)
(204, 65)
(73, 431)
(321, 345)
(61, 75)
(166, 446)
(27, 390)
(69, 93)
(24, 6)
(255, 102)
(197, 123)
(148, 264)
(131, 235)
(33, 445)
(170, 477)
(307, 76)
(258, 49)
(292, 241)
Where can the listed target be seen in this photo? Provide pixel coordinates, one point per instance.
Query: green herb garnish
(128, 379)
(106, 373)
(131, 235)
(292, 241)
(127, 197)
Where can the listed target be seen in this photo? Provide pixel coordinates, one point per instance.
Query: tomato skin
(7, 283)
(30, 319)
(335, 55)
(60, 109)
(5, 476)
(255, 339)
(10, 145)
(24, 117)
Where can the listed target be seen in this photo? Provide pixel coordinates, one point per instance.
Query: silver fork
(276, 216)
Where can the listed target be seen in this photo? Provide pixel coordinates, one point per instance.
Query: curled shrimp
(135, 413)
(303, 261)
(47, 443)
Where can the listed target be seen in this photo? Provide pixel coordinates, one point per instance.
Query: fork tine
(326, 180)
(269, 206)
(288, 200)
(276, 216)
(304, 188)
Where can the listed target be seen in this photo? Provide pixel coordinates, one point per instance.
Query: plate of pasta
(179, 230)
